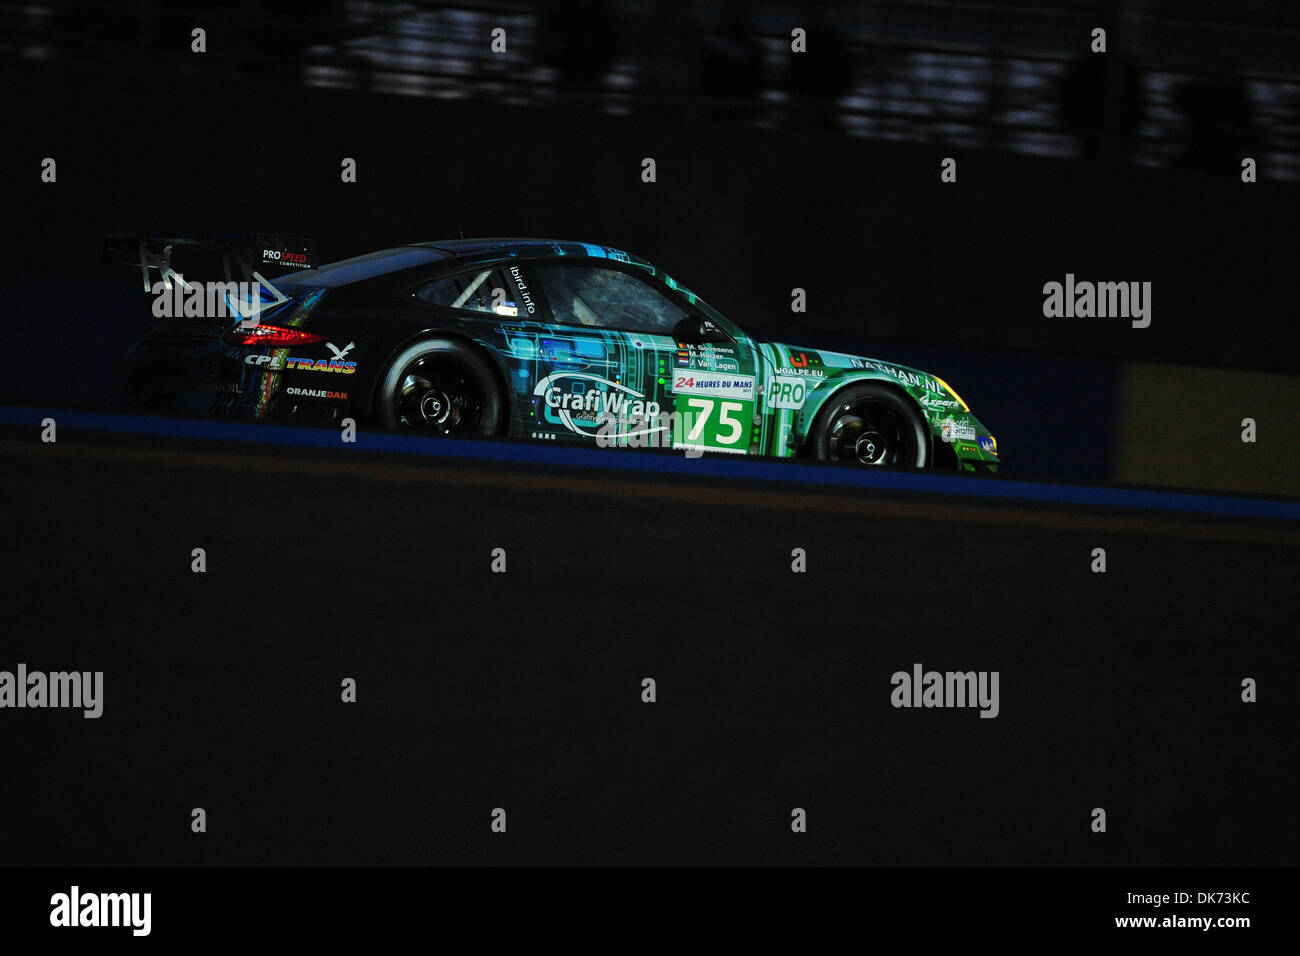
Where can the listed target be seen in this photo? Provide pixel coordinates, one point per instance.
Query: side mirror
(698, 329)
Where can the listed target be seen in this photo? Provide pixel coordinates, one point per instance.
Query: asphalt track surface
(522, 690)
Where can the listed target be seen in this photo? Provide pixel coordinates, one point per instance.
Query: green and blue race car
(544, 340)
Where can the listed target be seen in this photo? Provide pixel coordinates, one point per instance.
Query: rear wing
(245, 252)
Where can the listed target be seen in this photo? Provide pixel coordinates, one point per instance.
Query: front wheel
(871, 425)
(440, 387)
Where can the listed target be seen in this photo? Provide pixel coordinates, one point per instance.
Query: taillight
(267, 336)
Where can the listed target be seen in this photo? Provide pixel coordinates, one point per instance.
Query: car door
(673, 379)
(497, 300)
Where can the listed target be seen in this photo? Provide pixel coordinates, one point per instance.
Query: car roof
(486, 247)
(414, 254)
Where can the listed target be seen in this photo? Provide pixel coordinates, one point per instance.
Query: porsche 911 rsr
(538, 339)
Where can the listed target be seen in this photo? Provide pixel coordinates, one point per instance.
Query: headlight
(953, 392)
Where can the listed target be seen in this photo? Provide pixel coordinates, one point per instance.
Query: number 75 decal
(729, 428)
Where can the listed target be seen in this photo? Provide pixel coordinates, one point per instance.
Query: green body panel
(788, 421)
(783, 422)
(740, 397)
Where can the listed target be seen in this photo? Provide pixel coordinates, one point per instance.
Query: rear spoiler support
(247, 252)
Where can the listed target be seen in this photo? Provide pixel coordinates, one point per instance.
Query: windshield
(706, 310)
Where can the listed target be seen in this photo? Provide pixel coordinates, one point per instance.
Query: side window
(607, 299)
(486, 289)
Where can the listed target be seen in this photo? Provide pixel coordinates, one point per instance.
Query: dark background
(1118, 690)
(774, 173)
(522, 690)
(775, 170)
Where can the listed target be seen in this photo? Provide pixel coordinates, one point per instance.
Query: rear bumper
(183, 373)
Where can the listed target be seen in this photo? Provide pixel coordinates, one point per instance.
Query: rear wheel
(440, 387)
(871, 425)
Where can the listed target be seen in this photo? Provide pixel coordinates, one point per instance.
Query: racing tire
(440, 387)
(873, 426)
